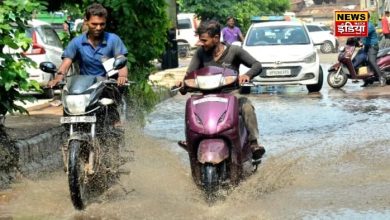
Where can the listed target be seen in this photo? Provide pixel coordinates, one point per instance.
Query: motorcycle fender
(334, 67)
(80, 136)
(212, 151)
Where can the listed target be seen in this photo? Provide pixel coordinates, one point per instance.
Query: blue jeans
(360, 57)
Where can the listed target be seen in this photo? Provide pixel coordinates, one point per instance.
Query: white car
(187, 24)
(287, 54)
(46, 46)
(321, 33)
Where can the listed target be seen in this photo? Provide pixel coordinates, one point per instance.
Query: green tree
(242, 10)
(14, 15)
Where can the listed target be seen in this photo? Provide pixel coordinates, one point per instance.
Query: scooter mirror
(120, 62)
(48, 67)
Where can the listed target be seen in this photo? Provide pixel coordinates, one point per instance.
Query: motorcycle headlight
(311, 58)
(76, 104)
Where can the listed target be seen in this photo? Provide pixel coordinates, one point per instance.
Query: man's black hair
(95, 9)
(212, 27)
(230, 17)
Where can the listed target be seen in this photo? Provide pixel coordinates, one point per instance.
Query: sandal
(257, 151)
(182, 144)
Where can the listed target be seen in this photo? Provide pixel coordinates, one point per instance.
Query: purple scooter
(216, 138)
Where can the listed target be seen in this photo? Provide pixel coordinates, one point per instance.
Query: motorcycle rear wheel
(76, 175)
(337, 81)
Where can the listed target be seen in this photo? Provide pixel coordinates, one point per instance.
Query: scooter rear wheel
(337, 80)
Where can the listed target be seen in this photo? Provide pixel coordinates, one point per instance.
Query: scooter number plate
(78, 119)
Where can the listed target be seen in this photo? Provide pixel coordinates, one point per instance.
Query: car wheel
(327, 47)
(317, 87)
(245, 90)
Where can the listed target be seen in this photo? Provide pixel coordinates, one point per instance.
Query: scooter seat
(383, 52)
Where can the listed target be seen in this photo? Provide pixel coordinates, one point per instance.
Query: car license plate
(78, 119)
(278, 72)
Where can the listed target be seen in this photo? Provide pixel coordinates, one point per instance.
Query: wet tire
(337, 81)
(245, 90)
(210, 181)
(317, 87)
(327, 47)
(76, 175)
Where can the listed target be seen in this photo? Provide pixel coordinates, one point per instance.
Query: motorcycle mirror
(48, 67)
(120, 62)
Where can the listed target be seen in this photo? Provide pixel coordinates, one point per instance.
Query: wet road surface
(327, 158)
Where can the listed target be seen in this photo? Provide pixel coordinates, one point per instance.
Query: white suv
(46, 46)
(321, 33)
(287, 54)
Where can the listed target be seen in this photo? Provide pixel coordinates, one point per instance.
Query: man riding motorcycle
(215, 53)
(90, 49)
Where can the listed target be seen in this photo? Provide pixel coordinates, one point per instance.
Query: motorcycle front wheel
(76, 174)
(337, 80)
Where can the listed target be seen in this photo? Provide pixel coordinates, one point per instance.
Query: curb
(40, 153)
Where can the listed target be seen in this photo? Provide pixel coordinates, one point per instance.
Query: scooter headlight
(311, 58)
(341, 49)
(76, 104)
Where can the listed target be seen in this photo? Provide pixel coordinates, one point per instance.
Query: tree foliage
(13, 76)
(242, 10)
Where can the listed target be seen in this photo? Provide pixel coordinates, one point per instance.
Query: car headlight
(311, 58)
(76, 104)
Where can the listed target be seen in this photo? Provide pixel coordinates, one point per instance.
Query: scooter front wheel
(210, 181)
(337, 80)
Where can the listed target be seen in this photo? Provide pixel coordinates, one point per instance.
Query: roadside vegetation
(13, 76)
(242, 10)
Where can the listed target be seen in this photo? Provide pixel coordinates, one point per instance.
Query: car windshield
(184, 23)
(49, 36)
(277, 35)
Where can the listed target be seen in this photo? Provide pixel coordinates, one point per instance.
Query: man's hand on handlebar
(243, 79)
(179, 85)
(122, 80)
(59, 77)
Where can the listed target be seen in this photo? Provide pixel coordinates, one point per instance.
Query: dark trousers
(247, 112)
(372, 52)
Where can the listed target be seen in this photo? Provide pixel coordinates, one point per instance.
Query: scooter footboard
(212, 151)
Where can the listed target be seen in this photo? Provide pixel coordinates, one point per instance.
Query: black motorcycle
(92, 105)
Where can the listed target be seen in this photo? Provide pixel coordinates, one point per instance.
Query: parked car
(321, 33)
(46, 46)
(187, 23)
(287, 54)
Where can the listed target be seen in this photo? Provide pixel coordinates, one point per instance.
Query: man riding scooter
(371, 48)
(215, 53)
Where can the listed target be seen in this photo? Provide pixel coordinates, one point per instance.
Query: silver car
(46, 46)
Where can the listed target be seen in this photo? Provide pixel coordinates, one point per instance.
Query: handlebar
(114, 82)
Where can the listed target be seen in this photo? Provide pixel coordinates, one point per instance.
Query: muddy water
(327, 158)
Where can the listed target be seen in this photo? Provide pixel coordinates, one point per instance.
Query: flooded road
(327, 158)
